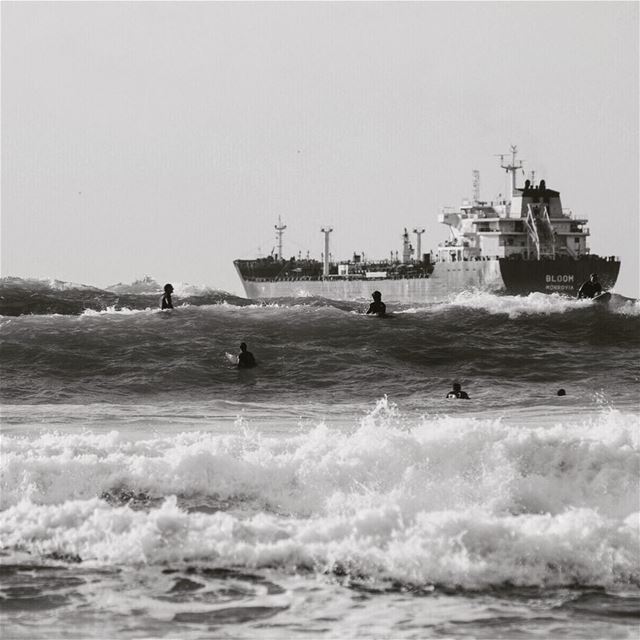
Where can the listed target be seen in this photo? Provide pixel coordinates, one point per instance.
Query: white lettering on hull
(558, 287)
(560, 278)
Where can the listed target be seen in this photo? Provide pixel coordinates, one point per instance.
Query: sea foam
(421, 464)
(452, 501)
(471, 549)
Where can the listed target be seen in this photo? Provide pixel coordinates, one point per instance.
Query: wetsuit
(589, 289)
(377, 306)
(246, 360)
(461, 395)
(166, 301)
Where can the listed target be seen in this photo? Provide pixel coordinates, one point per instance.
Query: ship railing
(559, 257)
(467, 259)
(335, 277)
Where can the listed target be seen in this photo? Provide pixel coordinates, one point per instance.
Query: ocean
(150, 489)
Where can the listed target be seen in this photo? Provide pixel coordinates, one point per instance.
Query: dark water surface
(327, 352)
(151, 489)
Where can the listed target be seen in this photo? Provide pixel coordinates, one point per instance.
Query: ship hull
(446, 281)
(498, 276)
(563, 275)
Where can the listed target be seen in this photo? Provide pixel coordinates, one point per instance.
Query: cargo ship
(516, 245)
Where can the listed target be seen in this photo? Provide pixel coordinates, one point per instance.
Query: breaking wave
(20, 296)
(458, 502)
(520, 346)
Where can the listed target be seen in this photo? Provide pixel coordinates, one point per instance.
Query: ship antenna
(326, 231)
(476, 186)
(279, 231)
(511, 167)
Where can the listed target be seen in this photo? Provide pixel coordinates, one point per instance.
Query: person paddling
(457, 392)
(590, 288)
(377, 306)
(245, 358)
(165, 301)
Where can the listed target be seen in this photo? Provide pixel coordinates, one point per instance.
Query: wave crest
(420, 466)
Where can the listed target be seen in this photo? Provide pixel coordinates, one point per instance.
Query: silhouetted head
(243, 346)
(168, 288)
(377, 296)
(456, 386)
(594, 277)
(562, 392)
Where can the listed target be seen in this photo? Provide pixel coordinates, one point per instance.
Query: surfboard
(602, 298)
(231, 358)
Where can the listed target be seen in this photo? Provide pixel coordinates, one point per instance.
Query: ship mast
(476, 186)
(407, 249)
(326, 231)
(511, 167)
(279, 231)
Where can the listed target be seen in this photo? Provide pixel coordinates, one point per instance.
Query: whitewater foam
(472, 549)
(421, 465)
(515, 306)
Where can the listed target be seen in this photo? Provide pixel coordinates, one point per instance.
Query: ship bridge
(531, 225)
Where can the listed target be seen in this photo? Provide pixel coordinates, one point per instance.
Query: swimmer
(561, 392)
(377, 306)
(165, 301)
(245, 358)
(457, 392)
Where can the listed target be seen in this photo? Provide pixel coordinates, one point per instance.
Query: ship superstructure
(519, 244)
(530, 224)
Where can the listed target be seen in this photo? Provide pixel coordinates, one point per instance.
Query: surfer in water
(245, 358)
(165, 301)
(377, 306)
(457, 392)
(590, 288)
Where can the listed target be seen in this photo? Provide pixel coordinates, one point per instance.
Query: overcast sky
(166, 138)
